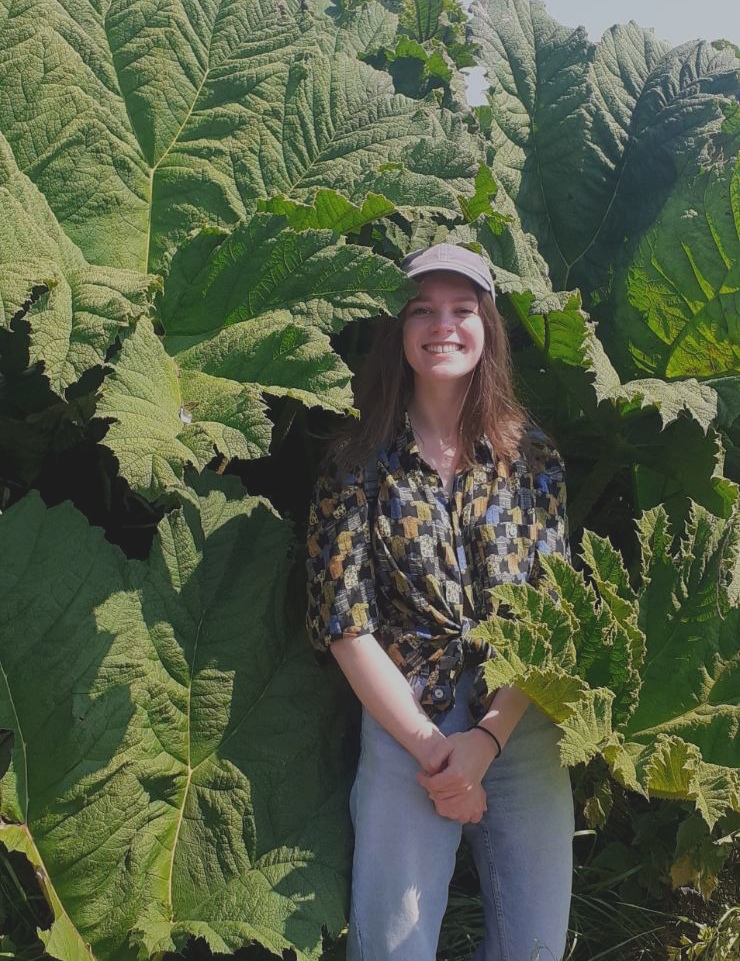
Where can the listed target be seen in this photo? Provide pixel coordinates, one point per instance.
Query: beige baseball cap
(460, 260)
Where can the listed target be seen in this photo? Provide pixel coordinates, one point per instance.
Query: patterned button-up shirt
(415, 567)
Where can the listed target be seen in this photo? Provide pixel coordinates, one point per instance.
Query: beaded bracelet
(479, 727)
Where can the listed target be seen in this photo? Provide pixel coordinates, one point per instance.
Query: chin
(443, 373)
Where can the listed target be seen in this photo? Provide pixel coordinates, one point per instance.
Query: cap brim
(482, 282)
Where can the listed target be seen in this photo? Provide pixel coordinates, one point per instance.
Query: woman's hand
(468, 758)
(433, 752)
(467, 808)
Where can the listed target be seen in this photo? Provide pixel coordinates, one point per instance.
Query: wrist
(427, 746)
(493, 743)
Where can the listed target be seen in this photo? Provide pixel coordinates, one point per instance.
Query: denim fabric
(405, 852)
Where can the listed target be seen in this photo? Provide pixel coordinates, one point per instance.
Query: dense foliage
(594, 655)
(203, 209)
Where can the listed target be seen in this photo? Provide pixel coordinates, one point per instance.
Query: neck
(436, 408)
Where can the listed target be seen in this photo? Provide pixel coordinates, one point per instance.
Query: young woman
(443, 491)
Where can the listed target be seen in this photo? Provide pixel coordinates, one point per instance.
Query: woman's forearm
(385, 693)
(506, 710)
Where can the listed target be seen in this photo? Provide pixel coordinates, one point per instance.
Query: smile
(442, 348)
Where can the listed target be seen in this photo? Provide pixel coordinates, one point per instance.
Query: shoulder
(542, 460)
(340, 490)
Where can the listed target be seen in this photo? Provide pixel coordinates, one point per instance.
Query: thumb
(439, 762)
(423, 779)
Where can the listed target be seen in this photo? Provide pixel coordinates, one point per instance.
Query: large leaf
(151, 430)
(662, 434)
(245, 313)
(677, 304)
(623, 114)
(365, 28)
(277, 355)
(173, 768)
(138, 129)
(596, 658)
(73, 310)
(190, 143)
(264, 265)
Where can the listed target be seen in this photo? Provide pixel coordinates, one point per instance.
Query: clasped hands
(452, 775)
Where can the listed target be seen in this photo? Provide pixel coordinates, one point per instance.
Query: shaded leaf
(157, 752)
(274, 354)
(61, 940)
(678, 302)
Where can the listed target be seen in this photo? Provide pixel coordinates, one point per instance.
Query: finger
(440, 761)
(423, 779)
(448, 795)
(448, 780)
(439, 765)
(450, 789)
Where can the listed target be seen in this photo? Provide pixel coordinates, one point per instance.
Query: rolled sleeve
(550, 507)
(339, 565)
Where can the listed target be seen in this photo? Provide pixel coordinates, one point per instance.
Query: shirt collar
(405, 444)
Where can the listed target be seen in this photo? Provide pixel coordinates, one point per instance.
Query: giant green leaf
(263, 265)
(174, 768)
(164, 418)
(677, 303)
(588, 137)
(329, 210)
(167, 140)
(73, 310)
(140, 125)
(278, 356)
(246, 313)
(365, 28)
(661, 434)
(596, 658)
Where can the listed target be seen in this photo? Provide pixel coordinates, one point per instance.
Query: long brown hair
(385, 387)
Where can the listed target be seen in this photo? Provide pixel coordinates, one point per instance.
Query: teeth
(442, 348)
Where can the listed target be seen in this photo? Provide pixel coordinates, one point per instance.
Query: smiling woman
(443, 340)
(442, 492)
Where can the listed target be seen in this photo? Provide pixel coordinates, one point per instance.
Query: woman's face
(443, 331)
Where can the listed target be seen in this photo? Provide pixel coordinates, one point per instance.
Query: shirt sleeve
(339, 565)
(550, 505)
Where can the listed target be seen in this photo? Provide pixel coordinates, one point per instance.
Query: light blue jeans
(405, 852)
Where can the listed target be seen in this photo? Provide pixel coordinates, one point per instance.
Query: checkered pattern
(418, 576)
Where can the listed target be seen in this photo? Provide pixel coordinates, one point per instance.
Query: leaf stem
(285, 422)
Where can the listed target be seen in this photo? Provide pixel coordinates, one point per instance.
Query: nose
(443, 319)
